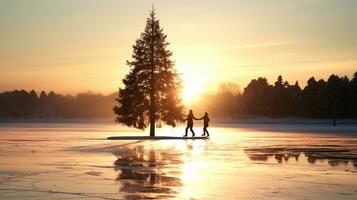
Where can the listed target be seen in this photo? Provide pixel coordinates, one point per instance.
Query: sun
(193, 82)
(191, 91)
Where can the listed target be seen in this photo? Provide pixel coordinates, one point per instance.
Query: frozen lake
(73, 160)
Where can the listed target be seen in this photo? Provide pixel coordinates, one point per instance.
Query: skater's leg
(186, 130)
(193, 133)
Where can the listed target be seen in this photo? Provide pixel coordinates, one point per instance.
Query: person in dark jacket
(190, 118)
(206, 121)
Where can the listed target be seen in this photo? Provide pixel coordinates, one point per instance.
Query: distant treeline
(22, 104)
(334, 98)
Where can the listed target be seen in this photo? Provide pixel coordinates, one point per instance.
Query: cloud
(290, 63)
(302, 3)
(235, 47)
(261, 45)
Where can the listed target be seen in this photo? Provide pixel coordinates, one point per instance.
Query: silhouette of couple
(191, 117)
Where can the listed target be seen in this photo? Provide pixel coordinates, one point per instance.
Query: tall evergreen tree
(152, 86)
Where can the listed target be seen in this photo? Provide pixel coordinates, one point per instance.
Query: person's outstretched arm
(197, 118)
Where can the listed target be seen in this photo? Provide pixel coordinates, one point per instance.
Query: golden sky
(72, 46)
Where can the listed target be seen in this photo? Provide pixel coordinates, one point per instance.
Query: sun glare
(193, 85)
(191, 91)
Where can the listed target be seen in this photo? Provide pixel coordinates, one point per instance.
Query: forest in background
(335, 97)
(20, 104)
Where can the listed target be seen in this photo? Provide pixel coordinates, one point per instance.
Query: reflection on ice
(335, 155)
(141, 174)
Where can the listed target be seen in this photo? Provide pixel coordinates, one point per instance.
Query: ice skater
(190, 118)
(206, 121)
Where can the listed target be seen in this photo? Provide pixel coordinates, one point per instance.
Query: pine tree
(151, 88)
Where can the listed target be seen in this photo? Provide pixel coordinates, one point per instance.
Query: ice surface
(73, 160)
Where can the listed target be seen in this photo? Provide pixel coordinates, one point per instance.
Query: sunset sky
(72, 46)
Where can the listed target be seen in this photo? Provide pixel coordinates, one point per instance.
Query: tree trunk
(152, 109)
(152, 128)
